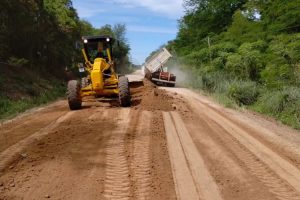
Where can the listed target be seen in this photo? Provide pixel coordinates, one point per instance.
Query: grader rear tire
(124, 92)
(74, 98)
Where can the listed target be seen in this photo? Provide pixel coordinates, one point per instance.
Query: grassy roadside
(11, 107)
(281, 104)
(22, 89)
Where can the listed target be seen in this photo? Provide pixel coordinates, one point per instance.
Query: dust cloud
(182, 78)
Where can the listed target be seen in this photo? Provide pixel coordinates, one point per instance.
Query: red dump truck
(154, 70)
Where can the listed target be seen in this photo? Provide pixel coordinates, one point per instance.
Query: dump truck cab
(101, 79)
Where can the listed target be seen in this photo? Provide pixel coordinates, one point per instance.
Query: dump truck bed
(158, 60)
(154, 69)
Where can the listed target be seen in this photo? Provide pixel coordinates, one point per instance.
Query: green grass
(281, 104)
(223, 99)
(10, 107)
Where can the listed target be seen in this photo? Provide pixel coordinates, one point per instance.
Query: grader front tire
(74, 98)
(124, 92)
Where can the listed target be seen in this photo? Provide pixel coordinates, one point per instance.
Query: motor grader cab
(101, 79)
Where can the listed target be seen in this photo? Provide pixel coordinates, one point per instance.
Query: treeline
(42, 35)
(246, 51)
(39, 34)
(121, 47)
(39, 39)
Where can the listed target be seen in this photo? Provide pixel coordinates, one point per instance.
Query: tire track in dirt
(183, 180)
(283, 140)
(11, 153)
(283, 185)
(20, 128)
(278, 138)
(103, 151)
(197, 166)
(233, 178)
(256, 167)
(89, 191)
(140, 165)
(117, 182)
(192, 177)
(81, 145)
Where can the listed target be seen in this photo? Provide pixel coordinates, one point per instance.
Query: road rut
(171, 144)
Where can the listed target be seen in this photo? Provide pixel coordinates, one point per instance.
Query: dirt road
(171, 144)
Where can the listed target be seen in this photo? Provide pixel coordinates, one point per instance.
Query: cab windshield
(96, 50)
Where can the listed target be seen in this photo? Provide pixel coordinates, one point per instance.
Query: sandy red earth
(171, 144)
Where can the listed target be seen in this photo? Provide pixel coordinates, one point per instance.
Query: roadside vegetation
(38, 41)
(244, 53)
(22, 89)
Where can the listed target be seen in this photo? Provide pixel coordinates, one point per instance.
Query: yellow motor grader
(101, 79)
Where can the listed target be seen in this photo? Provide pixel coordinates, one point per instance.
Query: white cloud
(170, 8)
(87, 9)
(146, 29)
(86, 12)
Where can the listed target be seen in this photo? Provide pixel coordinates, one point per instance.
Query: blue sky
(150, 23)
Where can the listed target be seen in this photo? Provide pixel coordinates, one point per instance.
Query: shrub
(208, 83)
(272, 102)
(283, 104)
(4, 104)
(17, 61)
(226, 47)
(276, 76)
(243, 92)
(278, 101)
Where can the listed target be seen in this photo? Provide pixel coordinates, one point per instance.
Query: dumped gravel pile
(149, 97)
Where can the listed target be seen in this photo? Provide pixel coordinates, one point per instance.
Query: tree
(244, 29)
(86, 28)
(105, 30)
(203, 18)
(280, 16)
(253, 40)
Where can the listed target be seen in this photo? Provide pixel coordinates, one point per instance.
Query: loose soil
(171, 144)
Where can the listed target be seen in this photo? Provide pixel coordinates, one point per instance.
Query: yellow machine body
(100, 82)
(98, 77)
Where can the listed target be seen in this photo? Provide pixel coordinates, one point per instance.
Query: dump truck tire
(74, 98)
(124, 92)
